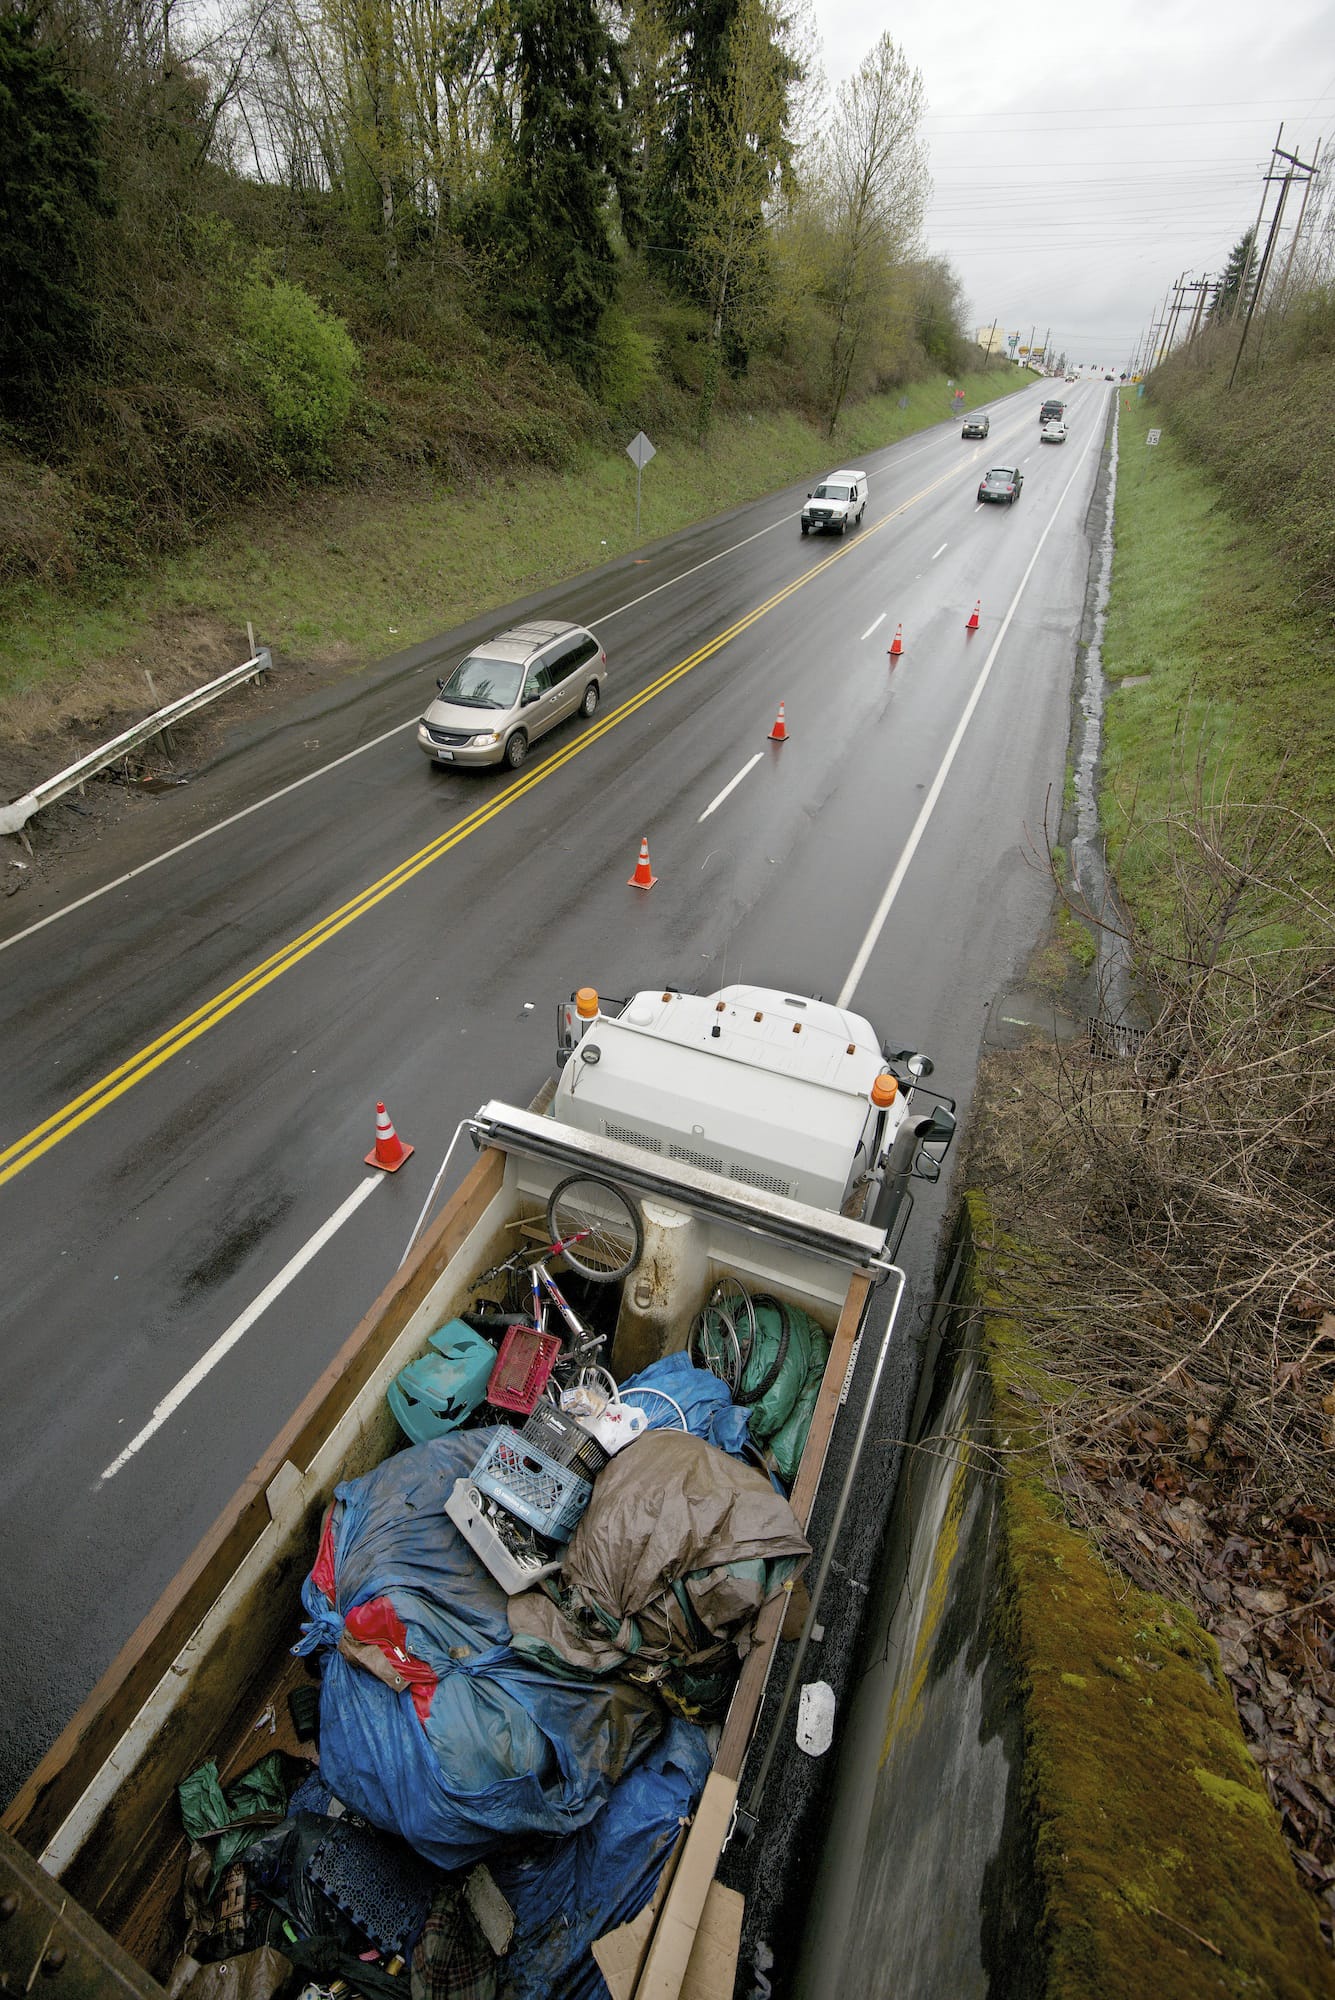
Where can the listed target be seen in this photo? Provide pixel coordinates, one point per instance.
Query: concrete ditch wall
(1042, 1786)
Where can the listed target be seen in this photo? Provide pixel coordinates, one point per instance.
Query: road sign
(639, 451)
(1152, 437)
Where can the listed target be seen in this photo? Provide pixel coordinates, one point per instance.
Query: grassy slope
(339, 576)
(1240, 687)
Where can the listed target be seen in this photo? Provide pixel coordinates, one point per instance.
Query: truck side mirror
(934, 1135)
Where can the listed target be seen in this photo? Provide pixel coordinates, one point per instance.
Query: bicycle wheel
(596, 1227)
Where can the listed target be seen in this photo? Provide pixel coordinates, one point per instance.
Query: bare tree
(871, 195)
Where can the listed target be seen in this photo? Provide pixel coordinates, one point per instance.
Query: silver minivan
(512, 690)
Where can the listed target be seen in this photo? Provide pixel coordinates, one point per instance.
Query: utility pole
(1250, 265)
(1179, 300)
(1296, 166)
(1202, 289)
(1159, 325)
(1281, 290)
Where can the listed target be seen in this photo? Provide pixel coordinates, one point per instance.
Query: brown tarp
(668, 1510)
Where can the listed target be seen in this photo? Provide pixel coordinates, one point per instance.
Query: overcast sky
(1084, 157)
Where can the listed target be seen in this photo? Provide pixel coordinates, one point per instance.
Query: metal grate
(767, 1183)
(1114, 1041)
(707, 1161)
(626, 1135)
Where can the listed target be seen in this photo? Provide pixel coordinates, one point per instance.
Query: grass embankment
(1237, 699)
(1169, 1271)
(343, 577)
(1148, 1811)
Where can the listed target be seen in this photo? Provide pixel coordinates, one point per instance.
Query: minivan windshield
(827, 492)
(481, 683)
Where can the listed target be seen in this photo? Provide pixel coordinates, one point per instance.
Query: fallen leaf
(1265, 1603)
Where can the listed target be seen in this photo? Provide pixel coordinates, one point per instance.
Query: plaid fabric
(453, 1961)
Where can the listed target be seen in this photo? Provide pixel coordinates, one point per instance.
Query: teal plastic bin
(441, 1390)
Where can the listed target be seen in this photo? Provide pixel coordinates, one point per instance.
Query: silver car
(512, 690)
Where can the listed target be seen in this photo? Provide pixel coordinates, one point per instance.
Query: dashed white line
(901, 868)
(871, 628)
(225, 1342)
(941, 551)
(731, 786)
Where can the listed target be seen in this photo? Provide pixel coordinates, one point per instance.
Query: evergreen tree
(693, 99)
(1235, 285)
(569, 158)
(51, 194)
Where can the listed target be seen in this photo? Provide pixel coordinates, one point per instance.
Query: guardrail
(15, 816)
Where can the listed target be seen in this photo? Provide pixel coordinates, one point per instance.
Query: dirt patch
(41, 734)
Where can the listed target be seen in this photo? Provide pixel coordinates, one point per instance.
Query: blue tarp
(480, 1745)
(566, 1893)
(705, 1400)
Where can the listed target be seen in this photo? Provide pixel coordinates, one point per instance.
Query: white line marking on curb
(871, 628)
(731, 786)
(892, 887)
(227, 1341)
(944, 546)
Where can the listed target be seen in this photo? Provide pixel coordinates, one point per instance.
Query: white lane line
(273, 797)
(208, 833)
(731, 786)
(871, 628)
(227, 1341)
(892, 887)
(941, 551)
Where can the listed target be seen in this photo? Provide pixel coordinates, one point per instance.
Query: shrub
(303, 362)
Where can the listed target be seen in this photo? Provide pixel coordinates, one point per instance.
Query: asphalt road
(192, 1056)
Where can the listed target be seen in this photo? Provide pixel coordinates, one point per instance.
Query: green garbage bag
(789, 1441)
(777, 1366)
(256, 1800)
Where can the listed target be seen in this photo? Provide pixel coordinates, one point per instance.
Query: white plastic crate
(473, 1515)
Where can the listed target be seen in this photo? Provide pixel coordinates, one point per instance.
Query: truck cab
(837, 503)
(788, 1095)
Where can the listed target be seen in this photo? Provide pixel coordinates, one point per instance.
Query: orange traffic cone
(897, 643)
(779, 733)
(644, 877)
(389, 1151)
(971, 622)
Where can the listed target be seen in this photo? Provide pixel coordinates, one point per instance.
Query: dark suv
(1052, 412)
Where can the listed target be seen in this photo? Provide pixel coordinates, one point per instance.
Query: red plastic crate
(523, 1366)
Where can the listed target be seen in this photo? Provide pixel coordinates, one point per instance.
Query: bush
(303, 362)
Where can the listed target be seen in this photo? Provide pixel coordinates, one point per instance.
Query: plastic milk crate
(520, 1476)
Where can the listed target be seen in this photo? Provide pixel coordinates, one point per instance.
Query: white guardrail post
(15, 816)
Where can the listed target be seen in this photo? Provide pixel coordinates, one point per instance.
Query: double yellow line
(21, 1153)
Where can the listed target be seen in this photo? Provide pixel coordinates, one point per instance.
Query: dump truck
(754, 1138)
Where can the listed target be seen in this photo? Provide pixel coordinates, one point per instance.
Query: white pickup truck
(756, 1135)
(838, 503)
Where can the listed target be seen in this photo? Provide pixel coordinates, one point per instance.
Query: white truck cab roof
(768, 1088)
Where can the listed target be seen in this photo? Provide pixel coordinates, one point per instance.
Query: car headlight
(487, 737)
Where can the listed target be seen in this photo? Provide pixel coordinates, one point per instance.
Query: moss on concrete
(1161, 1862)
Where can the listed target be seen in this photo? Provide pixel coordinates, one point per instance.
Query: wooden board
(232, 1682)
